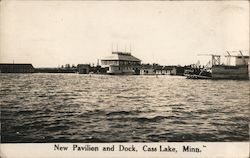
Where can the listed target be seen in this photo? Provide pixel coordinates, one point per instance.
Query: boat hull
(197, 73)
(193, 76)
(230, 72)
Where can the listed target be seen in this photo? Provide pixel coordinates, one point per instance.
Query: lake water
(103, 108)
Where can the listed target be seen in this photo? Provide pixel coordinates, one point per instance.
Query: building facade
(241, 60)
(147, 69)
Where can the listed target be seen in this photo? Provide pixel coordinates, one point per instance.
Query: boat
(198, 72)
(238, 71)
(191, 74)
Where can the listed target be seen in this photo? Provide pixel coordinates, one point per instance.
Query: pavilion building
(121, 63)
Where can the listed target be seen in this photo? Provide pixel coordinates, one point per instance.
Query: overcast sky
(52, 33)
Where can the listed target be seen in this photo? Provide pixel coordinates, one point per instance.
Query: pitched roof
(121, 56)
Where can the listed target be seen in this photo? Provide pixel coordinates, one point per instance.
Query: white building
(121, 63)
(147, 71)
(162, 72)
(241, 60)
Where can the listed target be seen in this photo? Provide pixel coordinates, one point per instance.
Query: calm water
(102, 108)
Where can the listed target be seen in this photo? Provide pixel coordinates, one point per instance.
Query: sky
(53, 33)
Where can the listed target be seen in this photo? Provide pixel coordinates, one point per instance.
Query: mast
(130, 48)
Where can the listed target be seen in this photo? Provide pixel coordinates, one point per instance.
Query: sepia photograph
(124, 72)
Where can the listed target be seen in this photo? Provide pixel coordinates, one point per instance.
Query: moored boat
(198, 74)
(237, 71)
(221, 71)
(230, 72)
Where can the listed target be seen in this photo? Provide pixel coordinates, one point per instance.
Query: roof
(245, 56)
(121, 56)
(146, 66)
(18, 64)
